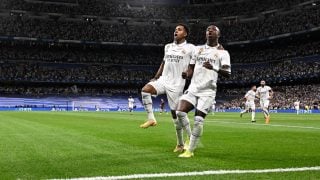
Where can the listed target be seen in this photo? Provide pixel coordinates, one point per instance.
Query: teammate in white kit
(250, 105)
(265, 93)
(130, 104)
(297, 106)
(207, 62)
(168, 80)
(213, 107)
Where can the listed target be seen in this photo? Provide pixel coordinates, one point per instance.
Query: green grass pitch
(44, 145)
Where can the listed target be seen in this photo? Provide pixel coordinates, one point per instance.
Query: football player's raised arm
(246, 97)
(159, 72)
(225, 69)
(189, 72)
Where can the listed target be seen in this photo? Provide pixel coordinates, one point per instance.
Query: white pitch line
(199, 173)
(275, 125)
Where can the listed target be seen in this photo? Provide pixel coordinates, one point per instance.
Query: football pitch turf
(46, 145)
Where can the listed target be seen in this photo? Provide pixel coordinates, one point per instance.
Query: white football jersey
(250, 96)
(204, 81)
(176, 58)
(264, 92)
(130, 102)
(297, 103)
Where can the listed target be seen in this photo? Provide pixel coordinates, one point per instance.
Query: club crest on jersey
(200, 50)
(183, 51)
(215, 56)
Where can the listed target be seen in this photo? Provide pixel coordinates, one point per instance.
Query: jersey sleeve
(225, 62)
(191, 49)
(247, 94)
(194, 55)
(166, 47)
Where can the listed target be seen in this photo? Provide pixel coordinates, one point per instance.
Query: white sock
(253, 113)
(179, 131)
(185, 123)
(147, 103)
(265, 112)
(196, 133)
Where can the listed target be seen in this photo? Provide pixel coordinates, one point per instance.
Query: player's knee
(200, 114)
(146, 97)
(184, 106)
(183, 118)
(145, 89)
(149, 89)
(198, 121)
(181, 114)
(144, 94)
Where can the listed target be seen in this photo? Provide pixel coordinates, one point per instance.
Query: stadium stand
(115, 103)
(115, 8)
(102, 48)
(27, 26)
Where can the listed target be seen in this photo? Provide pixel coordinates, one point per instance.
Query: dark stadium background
(91, 55)
(95, 48)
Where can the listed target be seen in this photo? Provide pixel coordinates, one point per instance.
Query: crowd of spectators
(297, 20)
(114, 8)
(284, 97)
(64, 73)
(274, 52)
(145, 55)
(279, 64)
(112, 55)
(65, 91)
(61, 65)
(275, 72)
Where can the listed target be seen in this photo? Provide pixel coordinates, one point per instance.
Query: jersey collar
(209, 47)
(182, 44)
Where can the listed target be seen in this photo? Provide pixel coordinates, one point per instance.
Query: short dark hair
(186, 28)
